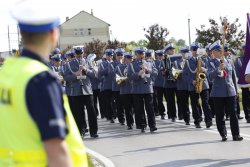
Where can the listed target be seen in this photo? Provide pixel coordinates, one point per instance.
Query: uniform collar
(32, 55)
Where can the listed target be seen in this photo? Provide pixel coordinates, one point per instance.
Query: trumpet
(120, 80)
(176, 73)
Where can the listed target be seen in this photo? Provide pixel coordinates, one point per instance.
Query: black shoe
(237, 138)
(187, 123)
(173, 120)
(94, 135)
(157, 114)
(224, 138)
(143, 130)
(180, 118)
(130, 127)
(163, 117)
(209, 124)
(122, 123)
(153, 129)
(197, 125)
(112, 121)
(240, 117)
(248, 120)
(138, 127)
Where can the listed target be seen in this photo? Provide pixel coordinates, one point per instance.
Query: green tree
(234, 36)
(156, 36)
(181, 42)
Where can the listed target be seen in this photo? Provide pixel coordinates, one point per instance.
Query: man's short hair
(33, 38)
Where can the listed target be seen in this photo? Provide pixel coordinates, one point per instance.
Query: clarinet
(144, 79)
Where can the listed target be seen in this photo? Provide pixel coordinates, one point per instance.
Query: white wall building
(82, 28)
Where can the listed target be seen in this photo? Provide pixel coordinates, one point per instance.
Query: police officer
(115, 87)
(140, 73)
(244, 88)
(169, 82)
(182, 86)
(78, 72)
(190, 69)
(35, 114)
(158, 83)
(222, 73)
(125, 89)
(104, 71)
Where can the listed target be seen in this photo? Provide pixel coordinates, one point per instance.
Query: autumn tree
(116, 44)
(234, 36)
(95, 46)
(156, 36)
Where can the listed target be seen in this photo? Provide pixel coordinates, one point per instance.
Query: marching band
(122, 85)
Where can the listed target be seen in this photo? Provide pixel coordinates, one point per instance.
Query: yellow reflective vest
(20, 141)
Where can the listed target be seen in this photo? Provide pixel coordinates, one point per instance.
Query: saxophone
(200, 76)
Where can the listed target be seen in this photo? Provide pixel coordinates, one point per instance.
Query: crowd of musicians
(123, 85)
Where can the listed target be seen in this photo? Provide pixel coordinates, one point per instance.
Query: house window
(76, 32)
(81, 32)
(89, 31)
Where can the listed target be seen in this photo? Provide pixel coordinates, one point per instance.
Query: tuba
(200, 76)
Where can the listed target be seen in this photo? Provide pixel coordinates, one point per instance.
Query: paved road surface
(173, 145)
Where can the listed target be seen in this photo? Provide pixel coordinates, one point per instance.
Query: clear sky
(128, 17)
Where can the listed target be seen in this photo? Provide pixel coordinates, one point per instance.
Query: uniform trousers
(96, 95)
(219, 105)
(158, 91)
(246, 101)
(73, 103)
(210, 101)
(102, 104)
(79, 114)
(205, 106)
(170, 98)
(119, 106)
(140, 100)
(183, 104)
(127, 101)
(109, 102)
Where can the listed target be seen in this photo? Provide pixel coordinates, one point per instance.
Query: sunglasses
(119, 54)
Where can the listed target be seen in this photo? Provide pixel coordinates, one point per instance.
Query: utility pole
(18, 39)
(9, 39)
(189, 31)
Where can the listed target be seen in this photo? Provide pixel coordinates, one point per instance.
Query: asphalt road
(173, 145)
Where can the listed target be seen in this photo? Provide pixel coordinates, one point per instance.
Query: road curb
(101, 160)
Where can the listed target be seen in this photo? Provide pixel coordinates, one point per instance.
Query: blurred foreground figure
(36, 124)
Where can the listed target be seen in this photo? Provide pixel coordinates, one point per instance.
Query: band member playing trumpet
(79, 73)
(115, 87)
(224, 91)
(182, 87)
(169, 82)
(158, 83)
(140, 73)
(198, 87)
(107, 78)
(125, 89)
(95, 81)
